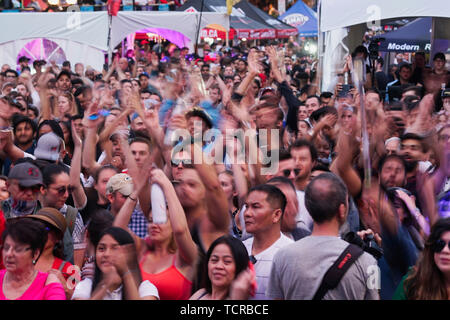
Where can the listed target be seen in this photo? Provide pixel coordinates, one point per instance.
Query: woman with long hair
(227, 273)
(65, 107)
(117, 275)
(429, 279)
(69, 144)
(169, 255)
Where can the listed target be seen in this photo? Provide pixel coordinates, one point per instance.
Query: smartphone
(150, 104)
(345, 90)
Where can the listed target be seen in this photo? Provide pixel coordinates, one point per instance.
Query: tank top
(171, 283)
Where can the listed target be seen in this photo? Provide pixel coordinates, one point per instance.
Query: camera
(368, 244)
(374, 46)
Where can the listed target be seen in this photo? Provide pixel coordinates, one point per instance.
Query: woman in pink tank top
(23, 242)
(168, 255)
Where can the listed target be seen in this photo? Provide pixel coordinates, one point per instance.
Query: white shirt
(303, 217)
(263, 263)
(83, 290)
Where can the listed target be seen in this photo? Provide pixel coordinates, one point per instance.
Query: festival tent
(58, 36)
(414, 36)
(83, 36)
(283, 30)
(303, 18)
(343, 23)
(179, 28)
(241, 25)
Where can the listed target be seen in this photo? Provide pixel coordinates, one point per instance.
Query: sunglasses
(62, 190)
(184, 163)
(287, 172)
(439, 245)
(35, 188)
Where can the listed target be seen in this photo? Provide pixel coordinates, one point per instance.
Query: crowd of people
(224, 175)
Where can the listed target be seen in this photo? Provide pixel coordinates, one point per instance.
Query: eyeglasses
(287, 172)
(253, 259)
(184, 163)
(17, 250)
(439, 245)
(62, 190)
(35, 188)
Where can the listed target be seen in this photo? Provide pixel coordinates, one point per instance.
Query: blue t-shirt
(400, 253)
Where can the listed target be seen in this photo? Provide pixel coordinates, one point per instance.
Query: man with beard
(63, 82)
(413, 150)
(305, 156)
(24, 130)
(24, 182)
(392, 172)
(241, 67)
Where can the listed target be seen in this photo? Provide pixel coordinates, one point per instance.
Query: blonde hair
(73, 106)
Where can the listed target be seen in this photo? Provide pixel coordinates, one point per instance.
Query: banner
(113, 7)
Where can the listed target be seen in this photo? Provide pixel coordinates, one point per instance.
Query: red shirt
(67, 270)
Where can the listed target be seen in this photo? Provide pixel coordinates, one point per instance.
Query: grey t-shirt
(298, 270)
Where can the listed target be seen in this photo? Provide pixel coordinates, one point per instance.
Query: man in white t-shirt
(265, 207)
(305, 155)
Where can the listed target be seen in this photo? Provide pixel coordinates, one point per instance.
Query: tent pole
(433, 33)
(109, 41)
(319, 46)
(198, 28)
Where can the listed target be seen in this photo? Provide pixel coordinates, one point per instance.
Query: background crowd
(84, 153)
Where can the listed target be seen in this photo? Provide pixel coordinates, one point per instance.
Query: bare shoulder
(52, 278)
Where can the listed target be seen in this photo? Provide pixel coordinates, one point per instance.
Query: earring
(34, 261)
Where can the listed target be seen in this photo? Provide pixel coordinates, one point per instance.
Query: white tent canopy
(343, 23)
(186, 23)
(82, 36)
(343, 13)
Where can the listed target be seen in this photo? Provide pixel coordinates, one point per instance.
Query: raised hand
(75, 137)
(241, 286)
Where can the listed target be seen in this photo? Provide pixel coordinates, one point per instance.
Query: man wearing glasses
(11, 76)
(24, 183)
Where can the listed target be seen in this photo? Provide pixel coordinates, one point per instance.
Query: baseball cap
(144, 74)
(7, 84)
(121, 182)
(48, 147)
(51, 216)
(27, 174)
